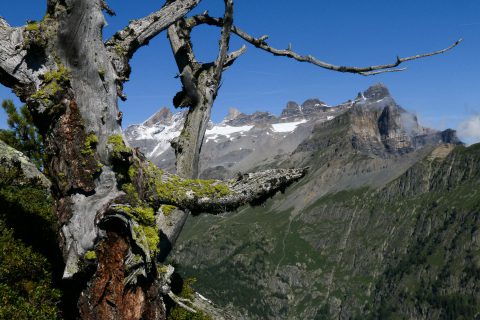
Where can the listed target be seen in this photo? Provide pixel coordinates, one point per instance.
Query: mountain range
(242, 142)
(384, 226)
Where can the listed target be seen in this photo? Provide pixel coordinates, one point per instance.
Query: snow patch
(226, 131)
(287, 126)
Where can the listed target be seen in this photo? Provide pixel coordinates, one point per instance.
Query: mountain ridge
(239, 141)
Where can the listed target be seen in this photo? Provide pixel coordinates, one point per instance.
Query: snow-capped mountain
(236, 142)
(245, 141)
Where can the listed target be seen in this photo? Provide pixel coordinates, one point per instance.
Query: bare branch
(139, 32)
(180, 302)
(232, 56)
(260, 43)
(107, 9)
(224, 40)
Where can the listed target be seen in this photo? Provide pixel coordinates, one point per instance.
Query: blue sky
(443, 90)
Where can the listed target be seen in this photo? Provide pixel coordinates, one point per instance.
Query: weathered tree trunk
(200, 82)
(106, 194)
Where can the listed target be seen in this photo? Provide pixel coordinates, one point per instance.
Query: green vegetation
(26, 290)
(22, 134)
(119, 148)
(400, 251)
(91, 142)
(90, 255)
(28, 252)
(37, 34)
(145, 217)
(120, 50)
(101, 73)
(167, 209)
(32, 26)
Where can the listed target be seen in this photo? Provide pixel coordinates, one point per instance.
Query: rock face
(384, 225)
(25, 172)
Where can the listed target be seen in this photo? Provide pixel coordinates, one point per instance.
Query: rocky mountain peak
(292, 109)
(163, 116)
(377, 92)
(233, 113)
(313, 103)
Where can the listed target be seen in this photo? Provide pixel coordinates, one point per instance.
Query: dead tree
(106, 194)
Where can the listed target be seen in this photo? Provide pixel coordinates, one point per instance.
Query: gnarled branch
(139, 32)
(262, 44)
(213, 196)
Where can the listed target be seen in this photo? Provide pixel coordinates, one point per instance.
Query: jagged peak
(376, 92)
(163, 116)
(313, 102)
(233, 113)
(291, 109)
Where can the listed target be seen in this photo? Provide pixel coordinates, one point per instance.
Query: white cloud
(469, 130)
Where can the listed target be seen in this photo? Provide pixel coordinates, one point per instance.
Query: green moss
(132, 194)
(178, 313)
(175, 188)
(153, 239)
(32, 26)
(90, 144)
(145, 217)
(90, 255)
(167, 209)
(132, 172)
(120, 50)
(162, 269)
(54, 83)
(118, 146)
(37, 35)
